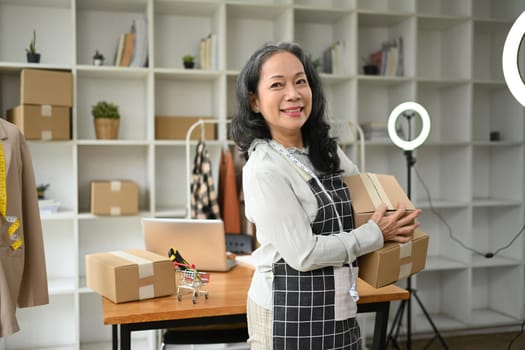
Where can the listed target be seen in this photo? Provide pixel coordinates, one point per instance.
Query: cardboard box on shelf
(128, 275)
(42, 122)
(394, 261)
(120, 197)
(46, 87)
(176, 127)
(369, 190)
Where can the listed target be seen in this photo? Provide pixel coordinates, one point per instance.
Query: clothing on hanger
(228, 194)
(204, 201)
(23, 276)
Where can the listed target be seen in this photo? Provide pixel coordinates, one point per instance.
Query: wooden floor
(492, 341)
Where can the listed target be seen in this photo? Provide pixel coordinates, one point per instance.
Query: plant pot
(98, 61)
(106, 128)
(189, 65)
(371, 69)
(33, 57)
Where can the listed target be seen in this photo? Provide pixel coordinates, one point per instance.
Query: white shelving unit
(452, 51)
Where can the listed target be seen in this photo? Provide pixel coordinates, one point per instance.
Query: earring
(256, 111)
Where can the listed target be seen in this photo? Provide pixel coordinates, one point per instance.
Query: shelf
(452, 66)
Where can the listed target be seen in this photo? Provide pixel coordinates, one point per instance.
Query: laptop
(200, 242)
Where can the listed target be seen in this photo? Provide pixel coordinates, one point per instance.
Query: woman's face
(284, 97)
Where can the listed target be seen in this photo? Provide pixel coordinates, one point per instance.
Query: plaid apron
(304, 302)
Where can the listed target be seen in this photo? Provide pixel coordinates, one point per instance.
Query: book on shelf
(333, 58)
(208, 52)
(128, 50)
(390, 58)
(120, 49)
(140, 28)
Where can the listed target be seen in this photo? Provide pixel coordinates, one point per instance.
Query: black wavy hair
(248, 125)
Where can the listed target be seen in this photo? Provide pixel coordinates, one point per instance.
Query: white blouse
(280, 203)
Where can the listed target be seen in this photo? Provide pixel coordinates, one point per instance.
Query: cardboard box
(46, 87)
(130, 275)
(114, 197)
(44, 122)
(369, 190)
(394, 261)
(176, 127)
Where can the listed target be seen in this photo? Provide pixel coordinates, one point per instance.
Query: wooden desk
(227, 303)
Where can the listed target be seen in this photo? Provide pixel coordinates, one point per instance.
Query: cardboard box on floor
(42, 122)
(129, 275)
(176, 127)
(114, 197)
(369, 190)
(46, 87)
(394, 261)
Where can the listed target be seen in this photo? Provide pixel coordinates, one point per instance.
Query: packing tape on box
(115, 211)
(46, 110)
(405, 270)
(46, 135)
(405, 251)
(145, 268)
(375, 190)
(115, 186)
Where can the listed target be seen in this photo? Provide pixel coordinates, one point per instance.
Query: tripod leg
(429, 319)
(396, 324)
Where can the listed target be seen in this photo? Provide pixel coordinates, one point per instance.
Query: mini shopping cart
(188, 278)
(192, 280)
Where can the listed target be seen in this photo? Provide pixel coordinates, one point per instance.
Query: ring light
(509, 59)
(425, 129)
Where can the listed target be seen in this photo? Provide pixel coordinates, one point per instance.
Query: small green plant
(105, 109)
(188, 58)
(32, 44)
(41, 190)
(98, 56)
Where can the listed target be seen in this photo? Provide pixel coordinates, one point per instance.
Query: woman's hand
(397, 226)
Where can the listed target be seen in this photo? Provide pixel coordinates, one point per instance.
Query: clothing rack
(201, 123)
(358, 141)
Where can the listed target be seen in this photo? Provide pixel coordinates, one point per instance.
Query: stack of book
(389, 58)
(209, 52)
(132, 47)
(333, 58)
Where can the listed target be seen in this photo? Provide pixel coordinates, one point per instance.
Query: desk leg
(125, 337)
(114, 337)
(381, 325)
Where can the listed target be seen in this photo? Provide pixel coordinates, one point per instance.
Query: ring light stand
(409, 110)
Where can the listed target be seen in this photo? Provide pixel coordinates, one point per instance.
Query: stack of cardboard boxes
(46, 97)
(394, 261)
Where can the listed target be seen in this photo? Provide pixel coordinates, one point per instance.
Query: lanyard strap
(12, 221)
(284, 152)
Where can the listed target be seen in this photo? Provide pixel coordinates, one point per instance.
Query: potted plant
(188, 61)
(41, 191)
(98, 59)
(32, 55)
(107, 119)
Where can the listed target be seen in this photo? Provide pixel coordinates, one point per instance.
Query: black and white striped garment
(304, 302)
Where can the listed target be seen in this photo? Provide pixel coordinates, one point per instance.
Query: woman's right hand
(397, 226)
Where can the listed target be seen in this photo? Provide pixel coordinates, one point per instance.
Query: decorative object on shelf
(188, 61)
(369, 66)
(41, 190)
(495, 136)
(370, 69)
(32, 55)
(107, 120)
(98, 59)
